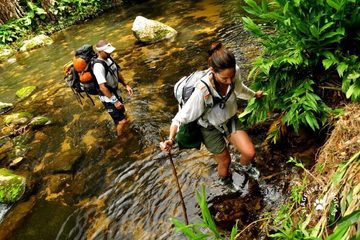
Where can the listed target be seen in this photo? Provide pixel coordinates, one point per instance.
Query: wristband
(114, 99)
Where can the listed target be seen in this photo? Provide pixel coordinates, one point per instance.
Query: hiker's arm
(242, 91)
(192, 109)
(122, 81)
(112, 97)
(167, 144)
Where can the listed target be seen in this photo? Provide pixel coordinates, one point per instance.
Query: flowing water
(125, 189)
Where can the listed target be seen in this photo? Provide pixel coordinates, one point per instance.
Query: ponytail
(220, 58)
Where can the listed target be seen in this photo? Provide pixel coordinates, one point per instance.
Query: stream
(125, 189)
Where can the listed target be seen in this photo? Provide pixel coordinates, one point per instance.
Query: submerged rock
(18, 118)
(25, 91)
(12, 186)
(64, 162)
(38, 41)
(151, 31)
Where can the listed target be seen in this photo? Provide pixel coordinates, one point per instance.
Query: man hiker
(108, 80)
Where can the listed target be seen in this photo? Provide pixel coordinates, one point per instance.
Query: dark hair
(220, 58)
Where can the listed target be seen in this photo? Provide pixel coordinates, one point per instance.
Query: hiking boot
(251, 170)
(228, 183)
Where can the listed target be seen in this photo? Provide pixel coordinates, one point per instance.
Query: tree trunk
(46, 5)
(10, 9)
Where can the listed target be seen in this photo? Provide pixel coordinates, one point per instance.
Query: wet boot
(228, 184)
(251, 170)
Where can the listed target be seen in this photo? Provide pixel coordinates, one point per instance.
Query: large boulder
(38, 41)
(12, 186)
(151, 31)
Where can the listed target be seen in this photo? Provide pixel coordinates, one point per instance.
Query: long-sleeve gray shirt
(195, 107)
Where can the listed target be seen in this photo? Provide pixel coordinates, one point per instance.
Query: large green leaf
(344, 224)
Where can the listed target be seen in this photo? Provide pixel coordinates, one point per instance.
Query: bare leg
(223, 159)
(120, 126)
(243, 144)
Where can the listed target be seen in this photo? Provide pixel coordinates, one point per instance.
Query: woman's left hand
(259, 94)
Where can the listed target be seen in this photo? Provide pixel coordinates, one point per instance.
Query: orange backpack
(79, 75)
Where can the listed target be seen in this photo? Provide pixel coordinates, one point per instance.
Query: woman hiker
(221, 121)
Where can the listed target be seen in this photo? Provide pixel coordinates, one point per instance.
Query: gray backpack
(186, 86)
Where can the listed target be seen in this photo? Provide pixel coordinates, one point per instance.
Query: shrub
(307, 46)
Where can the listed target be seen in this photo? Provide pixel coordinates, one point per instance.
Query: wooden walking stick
(178, 186)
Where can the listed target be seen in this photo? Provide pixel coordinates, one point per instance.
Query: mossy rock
(25, 91)
(12, 186)
(38, 41)
(5, 107)
(18, 118)
(5, 53)
(39, 121)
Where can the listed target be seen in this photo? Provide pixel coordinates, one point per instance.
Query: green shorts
(214, 140)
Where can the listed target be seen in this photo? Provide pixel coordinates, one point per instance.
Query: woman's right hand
(166, 145)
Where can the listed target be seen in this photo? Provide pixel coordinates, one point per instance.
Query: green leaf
(334, 4)
(337, 177)
(234, 231)
(326, 26)
(327, 63)
(341, 68)
(353, 76)
(350, 91)
(310, 121)
(314, 31)
(251, 26)
(253, 5)
(344, 224)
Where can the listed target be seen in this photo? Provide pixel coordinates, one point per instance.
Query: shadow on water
(125, 189)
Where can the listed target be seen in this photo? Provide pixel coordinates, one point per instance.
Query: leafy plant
(207, 228)
(308, 46)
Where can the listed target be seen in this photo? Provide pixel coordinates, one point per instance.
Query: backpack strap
(209, 98)
(102, 62)
(212, 100)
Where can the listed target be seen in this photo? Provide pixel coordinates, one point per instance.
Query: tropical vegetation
(310, 57)
(34, 16)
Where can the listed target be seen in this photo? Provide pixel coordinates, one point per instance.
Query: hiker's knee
(249, 153)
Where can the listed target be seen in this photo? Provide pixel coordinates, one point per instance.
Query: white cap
(108, 48)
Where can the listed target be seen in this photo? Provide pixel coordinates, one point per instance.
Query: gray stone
(151, 31)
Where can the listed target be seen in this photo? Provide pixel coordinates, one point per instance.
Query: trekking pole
(178, 185)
